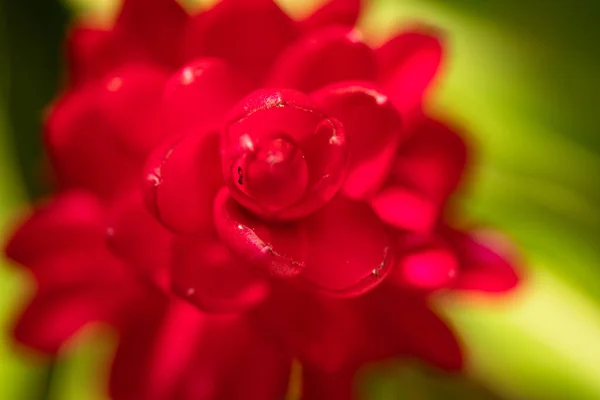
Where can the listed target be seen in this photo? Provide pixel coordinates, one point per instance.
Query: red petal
(373, 128)
(137, 238)
(334, 12)
(349, 249)
(327, 56)
(247, 34)
(279, 248)
(205, 273)
(338, 385)
(404, 325)
(137, 26)
(81, 153)
(182, 179)
(427, 169)
(130, 101)
(68, 222)
(198, 95)
(88, 53)
(425, 263)
(58, 313)
(487, 261)
(408, 63)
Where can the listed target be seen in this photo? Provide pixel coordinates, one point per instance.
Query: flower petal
(247, 34)
(373, 129)
(403, 324)
(137, 26)
(327, 56)
(428, 168)
(89, 54)
(487, 259)
(408, 63)
(82, 155)
(337, 385)
(182, 178)
(334, 12)
(57, 313)
(278, 248)
(199, 94)
(70, 221)
(138, 239)
(206, 274)
(349, 249)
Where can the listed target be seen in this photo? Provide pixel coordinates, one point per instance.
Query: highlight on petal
(349, 249)
(199, 94)
(373, 128)
(80, 150)
(278, 248)
(181, 179)
(206, 274)
(138, 239)
(248, 34)
(282, 158)
(326, 56)
(427, 170)
(488, 261)
(408, 64)
(334, 12)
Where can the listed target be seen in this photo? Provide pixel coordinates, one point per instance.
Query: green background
(522, 77)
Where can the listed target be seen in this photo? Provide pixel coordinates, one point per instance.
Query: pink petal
(408, 64)
(488, 261)
(334, 12)
(137, 26)
(278, 248)
(246, 33)
(181, 180)
(70, 221)
(338, 385)
(130, 101)
(138, 239)
(349, 249)
(56, 314)
(198, 95)
(373, 128)
(324, 57)
(404, 324)
(428, 168)
(206, 274)
(282, 157)
(82, 155)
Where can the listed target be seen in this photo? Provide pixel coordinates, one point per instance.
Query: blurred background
(522, 77)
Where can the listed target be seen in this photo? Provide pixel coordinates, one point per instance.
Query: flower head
(253, 179)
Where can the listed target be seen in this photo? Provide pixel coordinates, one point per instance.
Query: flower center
(273, 172)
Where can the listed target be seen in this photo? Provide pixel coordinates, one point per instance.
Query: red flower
(292, 183)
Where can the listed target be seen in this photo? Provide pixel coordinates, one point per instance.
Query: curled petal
(69, 222)
(137, 27)
(403, 324)
(199, 94)
(82, 155)
(181, 180)
(324, 57)
(487, 261)
(129, 101)
(279, 248)
(349, 249)
(247, 34)
(137, 238)
(427, 169)
(408, 64)
(56, 314)
(206, 274)
(334, 12)
(373, 128)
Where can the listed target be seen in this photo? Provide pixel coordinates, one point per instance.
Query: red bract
(279, 173)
